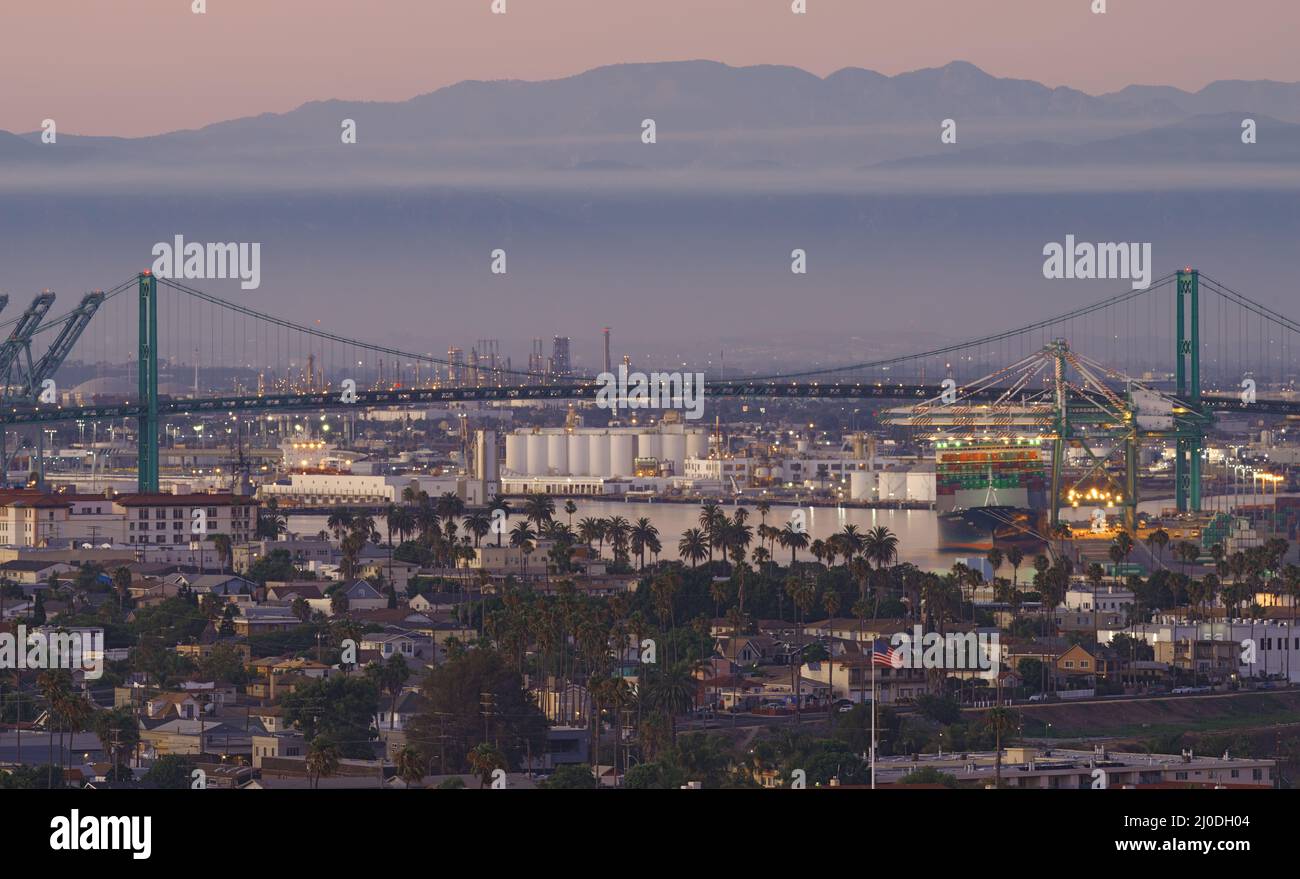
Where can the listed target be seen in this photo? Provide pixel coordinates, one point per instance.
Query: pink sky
(133, 67)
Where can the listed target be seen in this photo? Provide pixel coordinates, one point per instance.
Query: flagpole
(873, 715)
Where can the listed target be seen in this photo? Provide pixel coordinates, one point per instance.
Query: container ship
(990, 492)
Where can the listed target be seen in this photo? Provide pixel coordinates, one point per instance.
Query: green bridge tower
(147, 423)
(1190, 425)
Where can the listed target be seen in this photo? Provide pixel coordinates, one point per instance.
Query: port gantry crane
(22, 379)
(1056, 395)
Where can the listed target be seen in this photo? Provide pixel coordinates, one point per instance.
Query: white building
(1273, 644)
(335, 489)
(176, 519)
(1109, 598)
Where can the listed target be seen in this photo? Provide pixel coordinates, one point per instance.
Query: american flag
(883, 654)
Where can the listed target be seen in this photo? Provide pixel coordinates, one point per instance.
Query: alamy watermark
(952, 651)
(77, 832)
(209, 261)
(656, 390)
(1104, 261)
(81, 650)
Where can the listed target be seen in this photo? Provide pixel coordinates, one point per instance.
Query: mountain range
(709, 116)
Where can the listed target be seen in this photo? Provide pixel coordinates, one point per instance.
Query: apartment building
(178, 519)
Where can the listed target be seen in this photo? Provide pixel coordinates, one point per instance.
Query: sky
(139, 67)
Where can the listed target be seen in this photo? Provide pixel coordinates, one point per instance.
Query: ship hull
(982, 528)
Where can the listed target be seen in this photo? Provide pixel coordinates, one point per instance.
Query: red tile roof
(188, 500)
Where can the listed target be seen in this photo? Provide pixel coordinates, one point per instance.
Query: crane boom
(74, 324)
(20, 339)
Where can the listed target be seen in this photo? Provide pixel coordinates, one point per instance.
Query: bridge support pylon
(147, 423)
(1061, 426)
(1191, 431)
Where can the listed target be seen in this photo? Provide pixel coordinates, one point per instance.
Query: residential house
(194, 737)
(272, 745)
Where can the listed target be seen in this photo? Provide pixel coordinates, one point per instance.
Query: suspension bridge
(1101, 371)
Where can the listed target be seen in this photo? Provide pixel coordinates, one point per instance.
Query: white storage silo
(673, 448)
(862, 485)
(599, 449)
(921, 485)
(536, 454)
(893, 485)
(648, 445)
(697, 444)
(516, 453)
(557, 453)
(579, 461)
(622, 450)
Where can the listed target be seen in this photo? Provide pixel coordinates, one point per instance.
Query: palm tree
(642, 532)
(404, 522)
(225, 552)
(118, 732)
(485, 759)
(860, 609)
(339, 521)
(830, 601)
(450, 505)
(617, 530)
(881, 546)
(672, 691)
(478, 523)
(322, 759)
(1291, 585)
(1158, 540)
(994, 557)
(390, 676)
(593, 529)
(663, 589)
(817, 549)
(410, 765)
(390, 520)
(852, 541)
(793, 539)
(1015, 555)
(270, 524)
(524, 538)
(693, 546)
(121, 583)
(1124, 541)
(351, 548)
(500, 503)
(55, 686)
(539, 508)
(569, 509)
(718, 591)
(1003, 722)
(709, 513)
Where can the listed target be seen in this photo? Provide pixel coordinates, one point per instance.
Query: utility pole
(488, 708)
